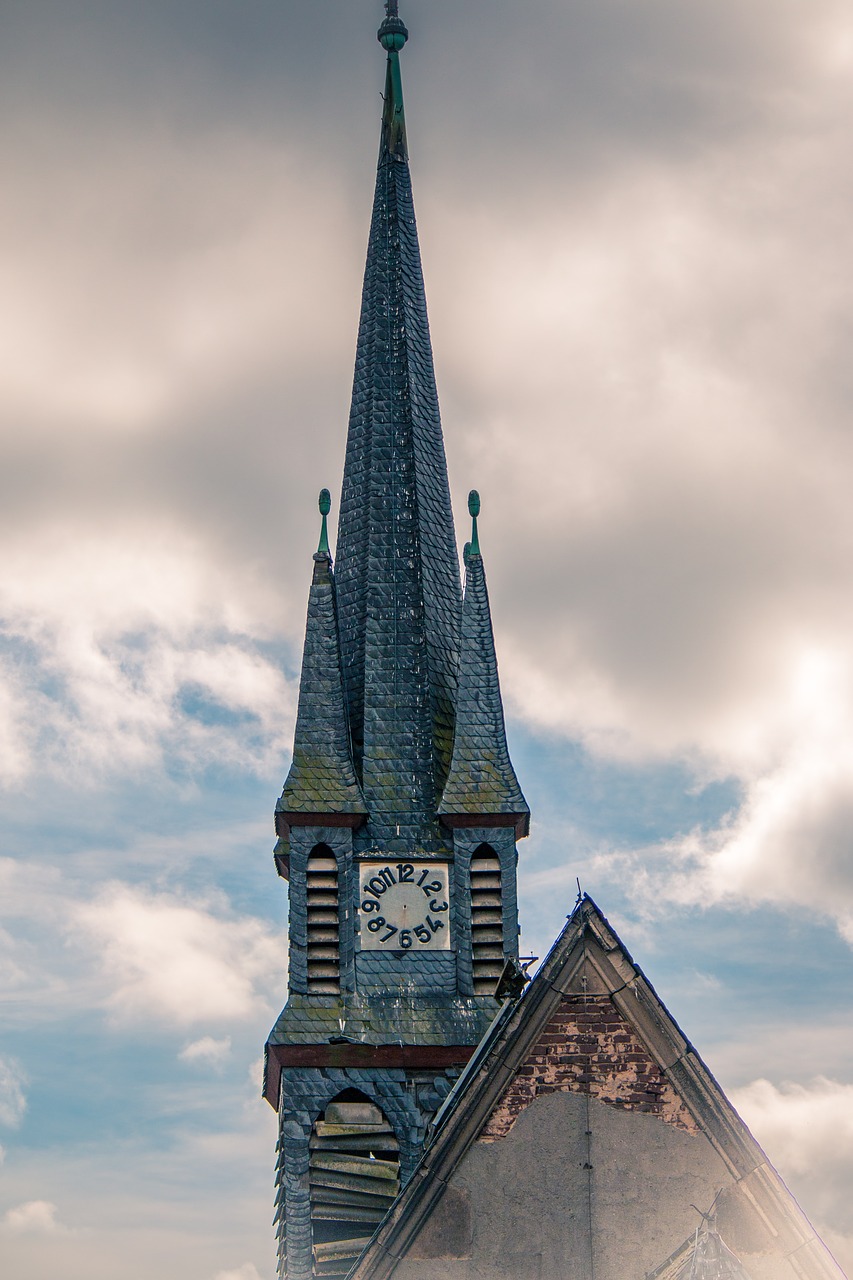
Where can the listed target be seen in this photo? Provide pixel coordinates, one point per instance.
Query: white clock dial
(404, 906)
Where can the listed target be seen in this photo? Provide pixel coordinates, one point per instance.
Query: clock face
(404, 906)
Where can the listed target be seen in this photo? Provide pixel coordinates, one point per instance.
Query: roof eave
(519, 819)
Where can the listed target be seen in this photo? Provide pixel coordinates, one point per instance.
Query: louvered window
(355, 1177)
(487, 950)
(324, 969)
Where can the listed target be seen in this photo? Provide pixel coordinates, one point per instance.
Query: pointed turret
(322, 779)
(397, 569)
(481, 786)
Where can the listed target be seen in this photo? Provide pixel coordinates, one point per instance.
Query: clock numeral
(435, 925)
(437, 907)
(392, 929)
(405, 938)
(377, 923)
(434, 886)
(423, 875)
(378, 884)
(422, 933)
(405, 872)
(369, 905)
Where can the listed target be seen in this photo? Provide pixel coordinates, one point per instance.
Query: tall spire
(482, 782)
(397, 570)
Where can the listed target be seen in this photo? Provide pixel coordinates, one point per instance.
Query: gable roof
(588, 947)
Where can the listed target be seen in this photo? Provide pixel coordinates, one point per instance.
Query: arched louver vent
(355, 1177)
(324, 957)
(487, 952)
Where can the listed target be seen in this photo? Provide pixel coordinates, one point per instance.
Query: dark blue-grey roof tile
(397, 571)
(322, 778)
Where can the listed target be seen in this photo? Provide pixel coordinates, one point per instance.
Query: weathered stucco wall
(579, 1189)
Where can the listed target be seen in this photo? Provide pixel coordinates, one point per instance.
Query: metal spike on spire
(392, 35)
(474, 511)
(325, 505)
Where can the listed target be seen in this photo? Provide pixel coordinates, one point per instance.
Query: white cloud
(13, 1101)
(177, 243)
(248, 1271)
(206, 1050)
(789, 839)
(36, 1217)
(807, 1127)
(807, 1131)
(256, 1075)
(132, 652)
(165, 958)
(693, 599)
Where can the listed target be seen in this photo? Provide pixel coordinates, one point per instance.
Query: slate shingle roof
(379, 1020)
(481, 779)
(397, 571)
(321, 778)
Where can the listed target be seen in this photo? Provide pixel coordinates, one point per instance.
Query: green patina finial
(474, 511)
(325, 505)
(392, 35)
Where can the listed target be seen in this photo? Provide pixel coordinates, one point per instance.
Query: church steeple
(397, 568)
(401, 914)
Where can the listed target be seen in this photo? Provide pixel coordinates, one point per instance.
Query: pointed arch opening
(355, 1177)
(323, 922)
(487, 951)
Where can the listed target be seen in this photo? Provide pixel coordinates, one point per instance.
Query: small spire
(481, 782)
(325, 505)
(473, 547)
(322, 777)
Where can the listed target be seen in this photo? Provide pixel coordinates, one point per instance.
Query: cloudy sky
(635, 219)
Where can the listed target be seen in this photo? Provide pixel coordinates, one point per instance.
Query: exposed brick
(588, 1047)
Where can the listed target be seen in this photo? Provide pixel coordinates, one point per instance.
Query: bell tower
(398, 821)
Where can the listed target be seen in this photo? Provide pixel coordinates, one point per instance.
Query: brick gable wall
(589, 1047)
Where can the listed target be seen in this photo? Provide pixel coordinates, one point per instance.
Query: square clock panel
(404, 906)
